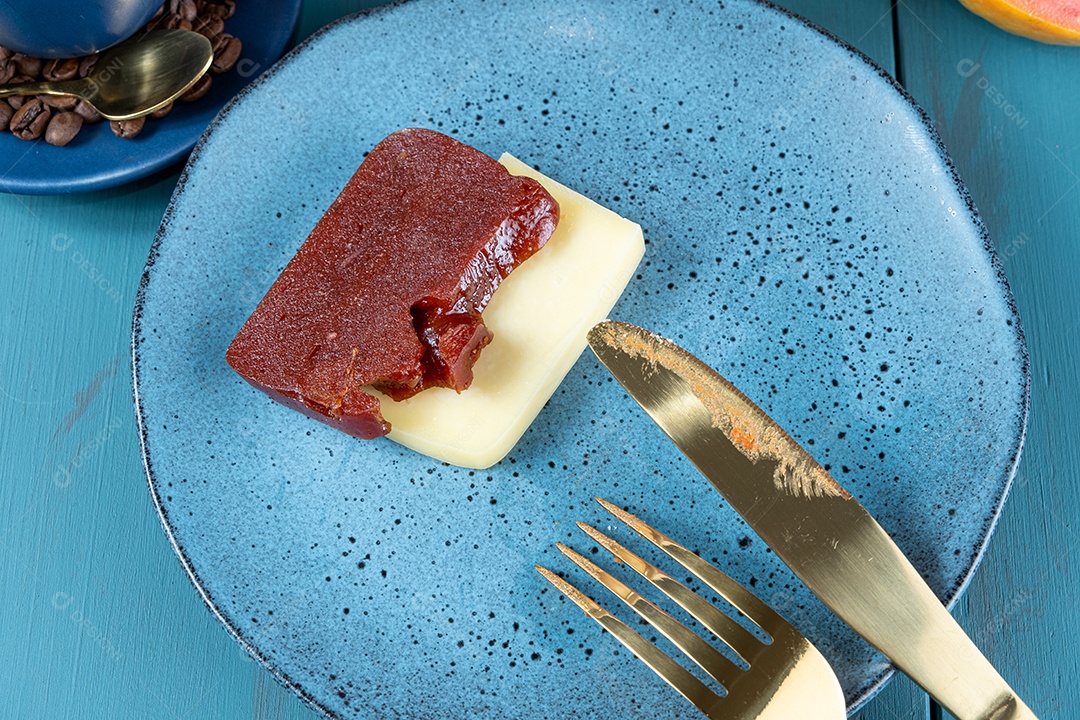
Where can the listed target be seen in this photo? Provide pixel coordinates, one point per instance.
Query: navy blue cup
(70, 28)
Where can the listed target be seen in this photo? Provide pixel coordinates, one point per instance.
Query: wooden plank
(1005, 109)
(98, 615)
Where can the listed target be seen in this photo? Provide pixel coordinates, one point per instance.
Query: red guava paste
(388, 289)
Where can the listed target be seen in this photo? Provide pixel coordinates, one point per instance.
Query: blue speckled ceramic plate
(97, 159)
(807, 236)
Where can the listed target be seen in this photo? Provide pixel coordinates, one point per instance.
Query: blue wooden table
(97, 619)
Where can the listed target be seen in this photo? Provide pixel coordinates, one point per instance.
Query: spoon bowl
(136, 77)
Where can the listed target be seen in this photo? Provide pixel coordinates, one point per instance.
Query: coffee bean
(86, 64)
(29, 121)
(5, 54)
(186, 9)
(26, 64)
(6, 111)
(176, 22)
(61, 69)
(210, 27)
(227, 57)
(222, 9)
(200, 88)
(60, 102)
(87, 112)
(63, 128)
(127, 129)
(7, 71)
(162, 112)
(219, 42)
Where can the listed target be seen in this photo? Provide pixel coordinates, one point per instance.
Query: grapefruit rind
(1030, 22)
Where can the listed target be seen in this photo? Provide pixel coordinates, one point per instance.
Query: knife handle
(891, 606)
(897, 612)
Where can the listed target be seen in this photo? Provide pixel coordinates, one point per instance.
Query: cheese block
(539, 318)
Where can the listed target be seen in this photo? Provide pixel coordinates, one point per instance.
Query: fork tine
(748, 604)
(732, 633)
(706, 656)
(672, 673)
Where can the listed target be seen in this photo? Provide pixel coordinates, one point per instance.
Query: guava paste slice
(388, 289)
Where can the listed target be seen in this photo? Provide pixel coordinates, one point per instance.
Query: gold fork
(786, 676)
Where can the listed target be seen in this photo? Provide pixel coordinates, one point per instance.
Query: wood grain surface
(97, 619)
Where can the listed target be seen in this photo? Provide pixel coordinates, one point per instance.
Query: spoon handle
(69, 87)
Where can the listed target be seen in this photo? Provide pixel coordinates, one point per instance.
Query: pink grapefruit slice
(1049, 21)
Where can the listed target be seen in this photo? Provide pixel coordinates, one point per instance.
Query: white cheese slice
(539, 316)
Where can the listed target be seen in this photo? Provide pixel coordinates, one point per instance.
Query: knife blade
(816, 527)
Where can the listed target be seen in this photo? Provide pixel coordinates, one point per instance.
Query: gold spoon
(136, 77)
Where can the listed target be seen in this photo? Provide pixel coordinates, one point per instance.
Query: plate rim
(124, 173)
(989, 523)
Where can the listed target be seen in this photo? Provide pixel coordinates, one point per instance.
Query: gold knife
(823, 534)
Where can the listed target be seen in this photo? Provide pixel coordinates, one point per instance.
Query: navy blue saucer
(97, 159)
